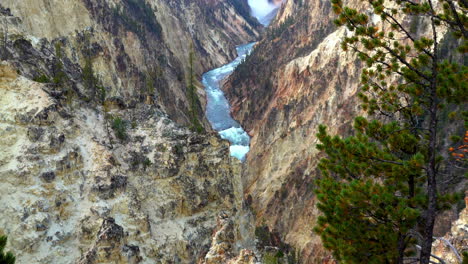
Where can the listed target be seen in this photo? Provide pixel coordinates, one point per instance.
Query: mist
(261, 8)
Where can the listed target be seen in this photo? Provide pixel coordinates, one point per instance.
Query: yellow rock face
(94, 199)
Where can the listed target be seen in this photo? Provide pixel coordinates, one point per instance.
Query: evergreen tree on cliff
(5, 258)
(379, 192)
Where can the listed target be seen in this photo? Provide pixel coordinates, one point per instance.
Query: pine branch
(458, 21)
(388, 66)
(393, 53)
(395, 21)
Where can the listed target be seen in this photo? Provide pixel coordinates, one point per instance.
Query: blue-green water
(218, 108)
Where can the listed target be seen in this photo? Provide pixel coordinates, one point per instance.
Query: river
(218, 108)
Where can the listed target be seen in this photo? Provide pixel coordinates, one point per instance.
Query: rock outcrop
(455, 242)
(73, 192)
(226, 241)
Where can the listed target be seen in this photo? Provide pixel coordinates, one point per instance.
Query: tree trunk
(401, 248)
(426, 246)
(430, 216)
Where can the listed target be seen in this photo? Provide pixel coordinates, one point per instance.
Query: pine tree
(192, 94)
(59, 74)
(4, 41)
(379, 194)
(90, 80)
(5, 258)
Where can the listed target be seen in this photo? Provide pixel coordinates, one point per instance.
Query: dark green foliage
(178, 150)
(146, 163)
(4, 41)
(89, 79)
(138, 16)
(292, 258)
(60, 77)
(5, 257)
(101, 93)
(278, 251)
(279, 257)
(59, 74)
(363, 219)
(262, 233)
(42, 79)
(149, 85)
(192, 96)
(96, 90)
(140, 159)
(271, 258)
(120, 128)
(379, 194)
(274, 32)
(465, 257)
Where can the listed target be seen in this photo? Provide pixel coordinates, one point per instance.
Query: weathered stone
(35, 133)
(107, 189)
(48, 176)
(56, 141)
(110, 230)
(102, 209)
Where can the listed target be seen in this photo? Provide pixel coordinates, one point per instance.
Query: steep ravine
(218, 110)
(93, 177)
(140, 48)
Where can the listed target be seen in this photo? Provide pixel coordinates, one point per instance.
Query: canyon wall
(297, 78)
(134, 44)
(98, 171)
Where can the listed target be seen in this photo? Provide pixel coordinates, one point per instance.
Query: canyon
(100, 161)
(97, 163)
(129, 46)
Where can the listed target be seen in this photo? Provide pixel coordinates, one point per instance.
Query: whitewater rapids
(218, 108)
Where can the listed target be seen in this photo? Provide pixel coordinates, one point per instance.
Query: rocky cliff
(280, 100)
(94, 167)
(297, 78)
(140, 48)
(74, 193)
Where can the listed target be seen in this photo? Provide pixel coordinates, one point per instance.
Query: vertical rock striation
(297, 78)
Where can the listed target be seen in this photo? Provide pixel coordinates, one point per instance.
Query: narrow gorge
(218, 110)
(185, 131)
